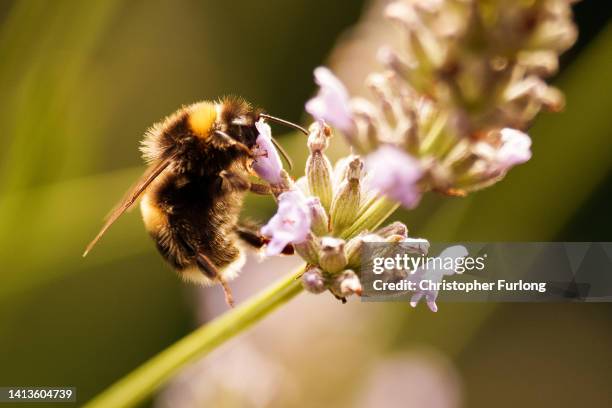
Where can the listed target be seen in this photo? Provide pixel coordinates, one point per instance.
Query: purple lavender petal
(332, 101)
(267, 163)
(515, 149)
(290, 224)
(395, 174)
(434, 275)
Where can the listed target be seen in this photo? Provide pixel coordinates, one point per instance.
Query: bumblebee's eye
(202, 119)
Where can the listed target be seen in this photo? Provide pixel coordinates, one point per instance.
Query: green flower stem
(371, 218)
(142, 382)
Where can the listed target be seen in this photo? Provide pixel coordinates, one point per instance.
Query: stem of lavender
(143, 381)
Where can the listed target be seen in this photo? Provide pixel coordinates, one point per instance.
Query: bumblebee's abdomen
(189, 218)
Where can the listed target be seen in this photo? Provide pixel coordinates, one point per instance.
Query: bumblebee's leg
(231, 181)
(249, 233)
(222, 139)
(178, 259)
(210, 270)
(262, 189)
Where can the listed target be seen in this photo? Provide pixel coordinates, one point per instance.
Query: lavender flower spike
(332, 101)
(267, 162)
(395, 174)
(290, 224)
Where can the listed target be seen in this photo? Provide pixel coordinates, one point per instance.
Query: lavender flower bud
(332, 257)
(515, 149)
(395, 228)
(416, 245)
(347, 283)
(318, 137)
(320, 220)
(286, 184)
(309, 249)
(555, 35)
(354, 246)
(313, 281)
(318, 167)
(543, 63)
(341, 169)
(531, 94)
(509, 148)
(366, 121)
(345, 205)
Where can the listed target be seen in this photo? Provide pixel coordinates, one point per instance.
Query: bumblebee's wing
(130, 198)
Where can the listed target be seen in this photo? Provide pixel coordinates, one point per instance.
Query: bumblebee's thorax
(200, 136)
(203, 136)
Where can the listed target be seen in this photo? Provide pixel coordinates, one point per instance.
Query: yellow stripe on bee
(202, 118)
(153, 217)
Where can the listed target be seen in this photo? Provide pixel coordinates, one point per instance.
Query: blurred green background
(81, 81)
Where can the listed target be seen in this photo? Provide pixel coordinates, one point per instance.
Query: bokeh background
(80, 81)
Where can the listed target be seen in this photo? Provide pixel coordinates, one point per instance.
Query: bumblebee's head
(229, 121)
(237, 118)
(210, 121)
(232, 122)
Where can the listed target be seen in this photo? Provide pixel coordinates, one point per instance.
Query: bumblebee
(191, 195)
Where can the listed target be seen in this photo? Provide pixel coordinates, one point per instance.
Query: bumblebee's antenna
(283, 153)
(283, 122)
